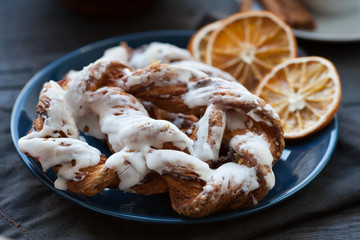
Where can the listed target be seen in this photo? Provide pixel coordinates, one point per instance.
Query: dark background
(33, 33)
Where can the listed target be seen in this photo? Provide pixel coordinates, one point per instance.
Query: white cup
(332, 6)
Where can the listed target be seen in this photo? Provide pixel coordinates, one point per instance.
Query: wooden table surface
(34, 33)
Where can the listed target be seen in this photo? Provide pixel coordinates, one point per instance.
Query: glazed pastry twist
(207, 141)
(231, 120)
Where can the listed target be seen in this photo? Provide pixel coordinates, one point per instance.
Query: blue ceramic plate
(300, 162)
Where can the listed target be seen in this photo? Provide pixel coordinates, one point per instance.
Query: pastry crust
(185, 186)
(208, 142)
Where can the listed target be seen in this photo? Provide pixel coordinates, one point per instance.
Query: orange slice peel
(305, 92)
(249, 45)
(199, 40)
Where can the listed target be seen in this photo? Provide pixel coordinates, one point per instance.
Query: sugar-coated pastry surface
(171, 127)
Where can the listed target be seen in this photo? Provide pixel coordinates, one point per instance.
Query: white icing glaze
(227, 176)
(118, 53)
(208, 92)
(54, 151)
(58, 117)
(217, 90)
(257, 146)
(178, 122)
(236, 120)
(130, 167)
(75, 94)
(166, 160)
(71, 73)
(271, 110)
(126, 123)
(234, 176)
(202, 148)
(257, 118)
(166, 76)
(128, 127)
(254, 199)
(133, 135)
(121, 118)
(156, 51)
(202, 96)
(208, 69)
(90, 121)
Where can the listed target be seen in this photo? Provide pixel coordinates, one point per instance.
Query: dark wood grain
(342, 224)
(34, 33)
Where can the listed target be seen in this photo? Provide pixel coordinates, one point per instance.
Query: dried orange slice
(305, 92)
(249, 44)
(199, 40)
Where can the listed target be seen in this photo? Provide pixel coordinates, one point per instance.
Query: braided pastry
(232, 121)
(165, 53)
(207, 141)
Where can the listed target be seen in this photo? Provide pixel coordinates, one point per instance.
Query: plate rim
(325, 37)
(316, 36)
(330, 36)
(158, 219)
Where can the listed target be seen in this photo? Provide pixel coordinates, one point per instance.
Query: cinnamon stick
(245, 5)
(292, 12)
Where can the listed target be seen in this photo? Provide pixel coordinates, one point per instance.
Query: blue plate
(299, 164)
